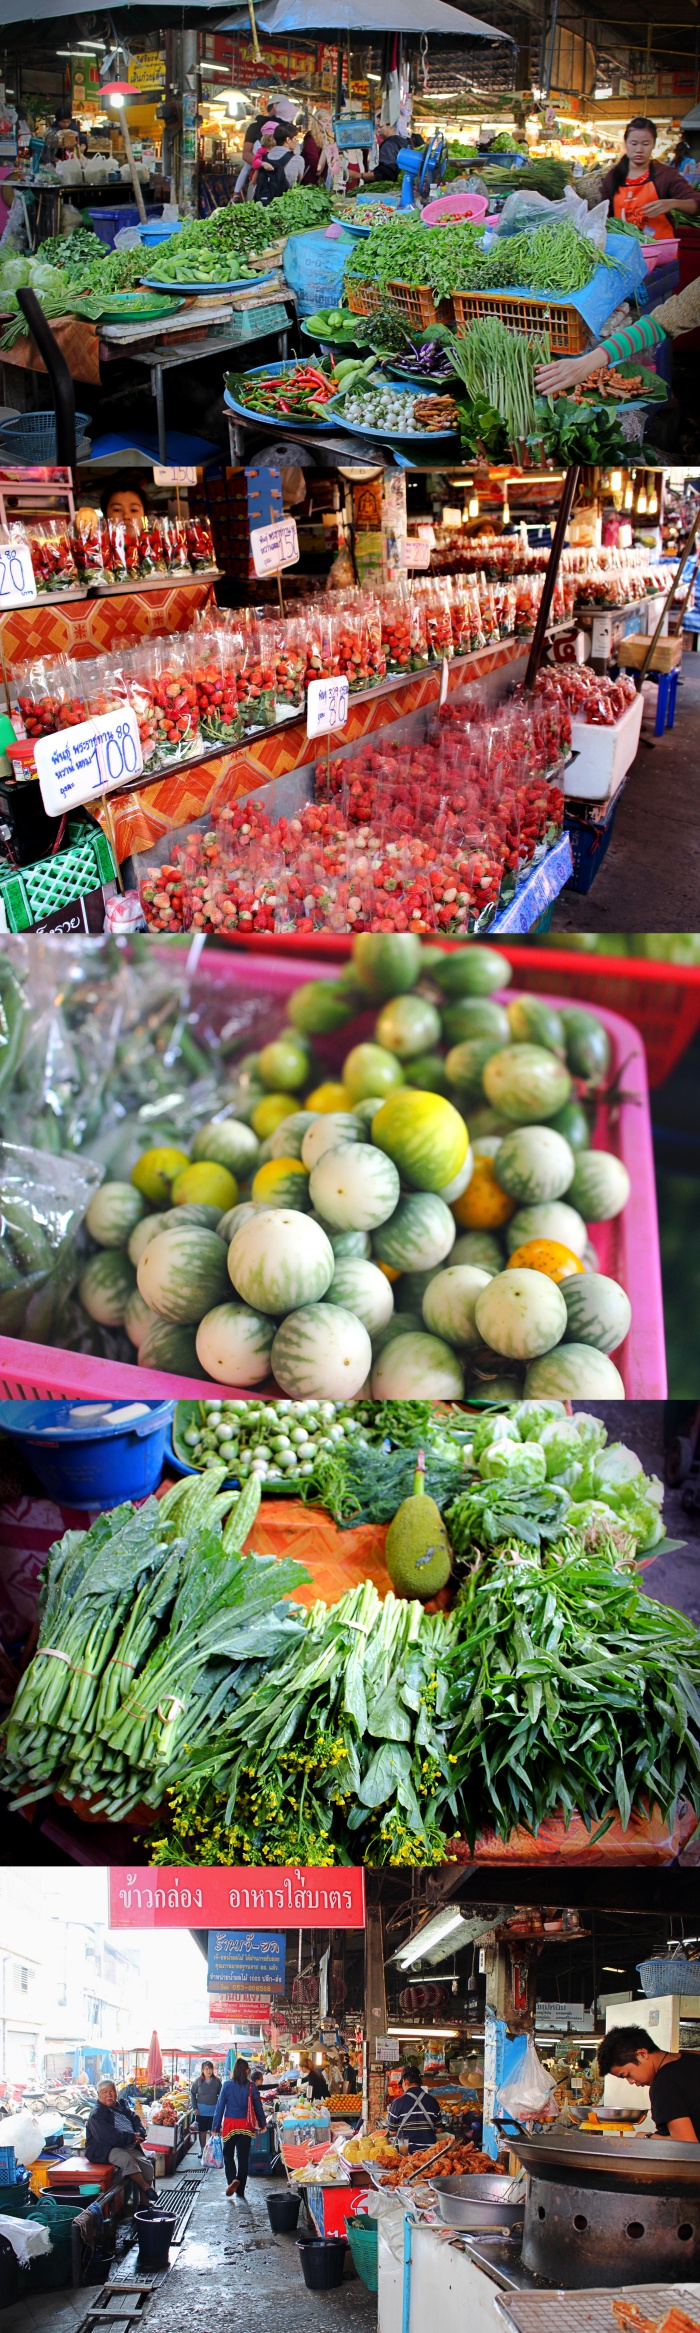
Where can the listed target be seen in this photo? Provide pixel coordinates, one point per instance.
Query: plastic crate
(672, 1975)
(250, 323)
(32, 892)
(108, 222)
(627, 1248)
(523, 313)
(363, 2242)
(413, 302)
(8, 2165)
(590, 841)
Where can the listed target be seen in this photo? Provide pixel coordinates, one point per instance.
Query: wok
(480, 2199)
(672, 2163)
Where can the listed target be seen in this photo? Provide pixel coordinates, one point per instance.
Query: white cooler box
(603, 755)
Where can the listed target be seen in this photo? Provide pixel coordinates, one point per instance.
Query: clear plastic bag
(42, 1205)
(213, 2156)
(528, 2097)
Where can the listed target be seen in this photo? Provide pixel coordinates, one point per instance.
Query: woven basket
(674, 1975)
(567, 332)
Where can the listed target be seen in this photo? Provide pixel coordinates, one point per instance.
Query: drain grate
(590, 2311)
(181, 2199)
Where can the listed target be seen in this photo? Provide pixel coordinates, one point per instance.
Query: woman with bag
(237, 2114)
(204, 2094)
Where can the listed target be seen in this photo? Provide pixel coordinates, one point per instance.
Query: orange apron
(632, 200)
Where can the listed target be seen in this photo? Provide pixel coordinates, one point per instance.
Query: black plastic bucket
(8, 2274)
(322, 2261)
(155, 2233)
(283, 2213)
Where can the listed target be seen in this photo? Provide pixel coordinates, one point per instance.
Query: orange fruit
(389, 1270)
(548, 1256)
(483, 1206)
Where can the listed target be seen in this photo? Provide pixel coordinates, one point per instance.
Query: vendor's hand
(657, 210)
(567, 371)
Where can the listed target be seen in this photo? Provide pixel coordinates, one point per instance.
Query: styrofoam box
(603, 756)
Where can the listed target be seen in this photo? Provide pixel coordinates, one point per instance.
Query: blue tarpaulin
(311, 16)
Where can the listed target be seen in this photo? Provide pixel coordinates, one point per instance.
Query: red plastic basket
(628, 1248)
(662, 1000)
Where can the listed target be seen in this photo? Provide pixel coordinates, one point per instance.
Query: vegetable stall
(241, 1670)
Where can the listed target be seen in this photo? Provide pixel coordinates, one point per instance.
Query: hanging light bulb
(653, 503)
(473, 506)
(506, 512)
(616, 481)
(629, 498)
(641, 502)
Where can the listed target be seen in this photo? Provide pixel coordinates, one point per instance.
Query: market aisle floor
(233, 2274)
(650, 878)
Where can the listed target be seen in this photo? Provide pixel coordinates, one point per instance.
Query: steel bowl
(478, 2200)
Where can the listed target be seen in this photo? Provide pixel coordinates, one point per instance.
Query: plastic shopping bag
(528, 2096)
(213, 2152)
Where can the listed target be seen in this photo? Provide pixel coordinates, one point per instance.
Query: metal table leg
(160, 412)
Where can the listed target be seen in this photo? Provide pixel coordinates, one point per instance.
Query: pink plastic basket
(628, 1248)
(660, 254)
(454, 206)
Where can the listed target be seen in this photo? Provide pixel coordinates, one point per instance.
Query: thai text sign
(244, 1957)
(226, 1896)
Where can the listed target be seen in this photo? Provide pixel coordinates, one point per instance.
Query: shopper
(204, 2094)
(316, 2083)
(639, 189)
(416, 2114)
(236, 2114)
(672, 2078)
(115, 2135)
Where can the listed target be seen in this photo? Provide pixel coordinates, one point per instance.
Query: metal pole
(135, 180)
(552, 570)
(59, 375)
(685, 553)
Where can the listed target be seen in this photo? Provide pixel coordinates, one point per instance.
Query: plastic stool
(667, 685)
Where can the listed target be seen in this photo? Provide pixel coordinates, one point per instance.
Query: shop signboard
(564, 2013)
(244, 1958)
(148, 70)
(234, 2009)
(236, 1897)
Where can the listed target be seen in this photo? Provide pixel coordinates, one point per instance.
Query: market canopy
(377, 16)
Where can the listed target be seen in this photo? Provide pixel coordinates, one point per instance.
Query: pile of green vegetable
(226, 244)
(498, 369)
(356, 1459)
(71, 274)
(450, 257)
(187, 1679)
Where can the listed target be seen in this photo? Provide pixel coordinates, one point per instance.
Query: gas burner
(502, 2261)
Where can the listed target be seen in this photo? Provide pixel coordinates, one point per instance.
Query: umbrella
(154, 2068)
(108, 2068)
(312, 16)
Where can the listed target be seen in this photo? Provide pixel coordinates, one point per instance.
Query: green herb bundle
(498, 369)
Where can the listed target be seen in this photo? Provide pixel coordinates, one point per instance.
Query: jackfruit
(417, 1548)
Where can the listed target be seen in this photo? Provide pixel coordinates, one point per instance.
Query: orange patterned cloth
(96, 625)
(79, 344)
(337, 1560)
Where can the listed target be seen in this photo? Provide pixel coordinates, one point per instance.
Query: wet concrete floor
(650, 877)
(230, 2271)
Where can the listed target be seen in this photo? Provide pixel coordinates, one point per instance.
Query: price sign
(326, 706)
(444, 681)
(80, 763)
(414, 553)
(275, 547)
(162, 476)
(17, 580)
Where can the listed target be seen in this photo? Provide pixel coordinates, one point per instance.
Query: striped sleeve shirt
(631, 338)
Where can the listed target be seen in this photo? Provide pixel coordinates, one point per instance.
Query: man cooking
(114, 2135)
(672, 2078)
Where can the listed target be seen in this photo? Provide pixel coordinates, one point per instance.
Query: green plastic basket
(362, 2239)
(30, 893)
(251, 323)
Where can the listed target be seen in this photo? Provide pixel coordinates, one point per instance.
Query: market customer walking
(237, 2114)
(204, 2094)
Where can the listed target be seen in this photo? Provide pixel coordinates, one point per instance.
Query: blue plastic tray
(239, 283)
(400, 437)
(271, 420)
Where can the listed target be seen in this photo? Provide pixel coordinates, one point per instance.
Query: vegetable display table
(175, 347)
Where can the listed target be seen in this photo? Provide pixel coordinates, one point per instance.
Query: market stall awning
(377, 16)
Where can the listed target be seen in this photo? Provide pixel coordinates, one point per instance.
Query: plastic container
(628, 1248)
(84, 1460)
(672, 1975)
(155, 2234)
(589, 846)
(108, 222)
(283, 2212)
(661, 253)
(363, 2242)
(8, 2164)
(603, 754)
(322, 2261)
(160, 231)
(454, 206)
(31, 437)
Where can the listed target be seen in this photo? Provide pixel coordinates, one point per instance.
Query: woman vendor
(639, 190)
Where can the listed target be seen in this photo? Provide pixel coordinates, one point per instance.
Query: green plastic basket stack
(252, 323)
(362, 2239)
(30, 893)
(51, 2270)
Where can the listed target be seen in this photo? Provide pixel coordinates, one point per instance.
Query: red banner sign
(234, 2011)
(222, 1896)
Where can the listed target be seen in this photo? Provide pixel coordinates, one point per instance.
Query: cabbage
(615, 1466)
(518, 1461)
(44, 278)
(591, 1431)
(495, 1427)
(13, 271)
(529, 1418)
(562, 1448)
(600, 1527)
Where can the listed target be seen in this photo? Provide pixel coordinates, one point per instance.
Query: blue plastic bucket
(160, 231)
(91, 1454)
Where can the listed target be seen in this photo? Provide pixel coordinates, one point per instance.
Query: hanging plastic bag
(214, 2152)
(528, 2096)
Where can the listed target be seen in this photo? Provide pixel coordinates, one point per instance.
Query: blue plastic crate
(108, 222)
(659, 284)
(8, 2166)
(589, 844)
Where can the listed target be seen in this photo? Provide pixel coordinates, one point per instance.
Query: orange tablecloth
(337, 1560)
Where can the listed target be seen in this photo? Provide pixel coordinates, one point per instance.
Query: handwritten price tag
(178, 476)
(275, 547)
(79, 763)
(17, 581)
(326, 707)
(414, 553)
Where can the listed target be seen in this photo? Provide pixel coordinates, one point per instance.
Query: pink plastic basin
(660, 254)
(454, 206)
(627, 1248)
